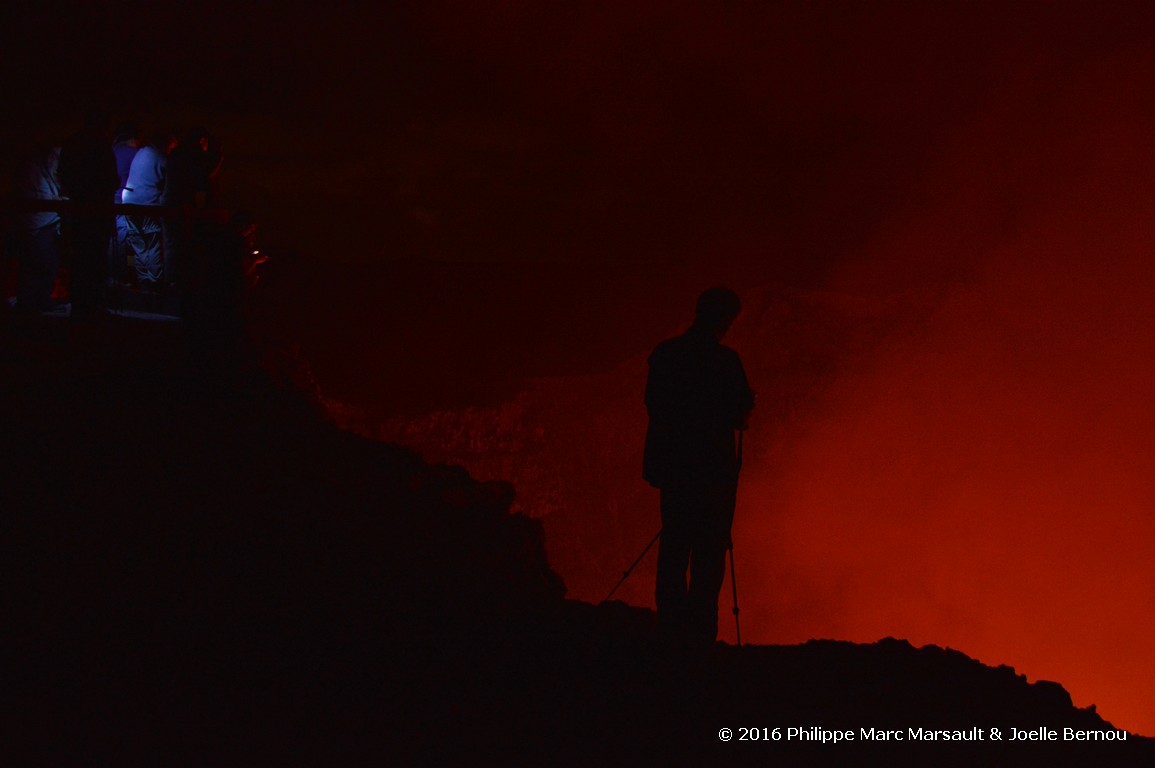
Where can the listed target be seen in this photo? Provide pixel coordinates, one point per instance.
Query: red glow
(970, 467)
(986, 480)
(955, 432)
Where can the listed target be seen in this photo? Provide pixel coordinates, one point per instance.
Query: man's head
(127, 132)
(717, 308)
(197, 138)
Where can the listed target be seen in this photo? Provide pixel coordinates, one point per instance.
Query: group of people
(92, 169)
(164, 171)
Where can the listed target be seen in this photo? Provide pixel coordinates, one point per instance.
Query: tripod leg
(630, 570)
(734, 585)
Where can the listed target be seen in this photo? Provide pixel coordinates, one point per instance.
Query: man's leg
(670, 594)
(90, 238)
(118, 253)
(144, 236)
(711, 539)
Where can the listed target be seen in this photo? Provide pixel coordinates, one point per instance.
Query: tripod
(634, 565)
(733, 574)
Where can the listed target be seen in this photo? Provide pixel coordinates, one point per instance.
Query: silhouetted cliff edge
(198, 569)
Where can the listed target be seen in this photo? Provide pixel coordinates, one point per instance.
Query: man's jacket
(697, 396)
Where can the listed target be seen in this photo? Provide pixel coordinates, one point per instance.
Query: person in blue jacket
(125, 145)
(147, 179)
(38, 245)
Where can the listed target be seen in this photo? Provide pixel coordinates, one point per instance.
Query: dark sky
(588, 154)
(770, 141)
(771, 137)
(585, 168)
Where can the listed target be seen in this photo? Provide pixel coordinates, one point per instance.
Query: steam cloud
(985, 482)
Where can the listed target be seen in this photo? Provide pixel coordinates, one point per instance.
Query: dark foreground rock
(199, 570)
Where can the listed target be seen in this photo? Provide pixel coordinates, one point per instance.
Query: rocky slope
(199, 569)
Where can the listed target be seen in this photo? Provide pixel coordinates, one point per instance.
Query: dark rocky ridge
(199, 569)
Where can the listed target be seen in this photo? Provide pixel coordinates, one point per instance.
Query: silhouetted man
(192, 165)
(697, 396)
(87, 174)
